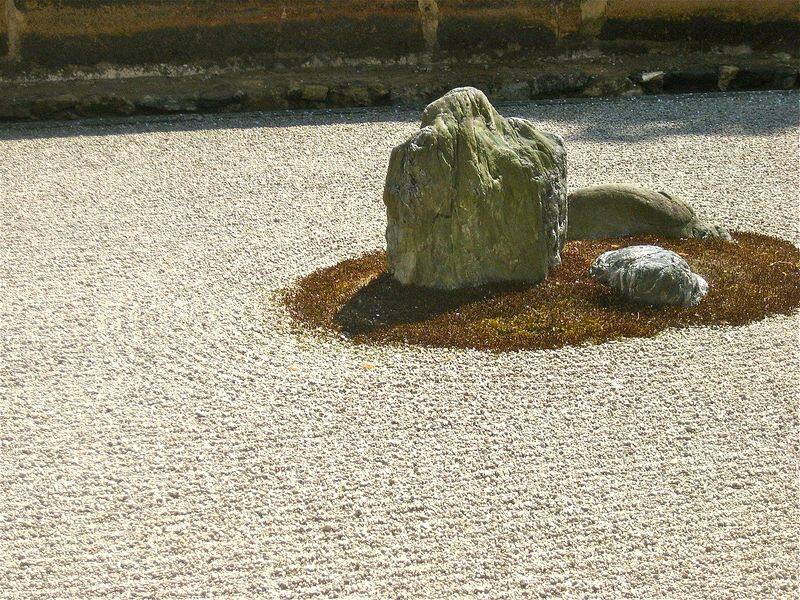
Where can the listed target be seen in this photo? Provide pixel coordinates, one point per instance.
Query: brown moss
(749, 280)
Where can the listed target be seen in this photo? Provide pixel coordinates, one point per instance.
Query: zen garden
(399, 299)
(487, 248)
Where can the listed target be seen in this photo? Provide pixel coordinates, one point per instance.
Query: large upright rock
(474, 198)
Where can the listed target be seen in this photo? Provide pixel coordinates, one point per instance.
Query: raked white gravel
(165, 435)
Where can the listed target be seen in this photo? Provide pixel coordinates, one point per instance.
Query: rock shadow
(385, 302)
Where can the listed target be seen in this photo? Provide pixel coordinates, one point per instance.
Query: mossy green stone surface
(618, 210)
(474, 198)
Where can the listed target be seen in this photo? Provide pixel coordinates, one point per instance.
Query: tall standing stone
(474, 198)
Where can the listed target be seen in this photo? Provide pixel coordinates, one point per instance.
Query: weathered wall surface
(53, 33)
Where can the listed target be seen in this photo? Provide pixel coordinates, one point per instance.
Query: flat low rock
(618, 210)
(474, 198)
(650, 275)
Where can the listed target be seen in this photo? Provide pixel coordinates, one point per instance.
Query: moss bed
(748, 280)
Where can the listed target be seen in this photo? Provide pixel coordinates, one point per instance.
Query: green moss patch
(748, 280)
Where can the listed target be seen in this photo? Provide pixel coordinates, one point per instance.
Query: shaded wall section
(54, 33)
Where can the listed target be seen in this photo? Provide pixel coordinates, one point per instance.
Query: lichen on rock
(474, 197)
(650, 275)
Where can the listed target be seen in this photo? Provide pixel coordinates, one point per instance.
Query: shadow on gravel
(602, 119)
(203, 122)
(726, 114)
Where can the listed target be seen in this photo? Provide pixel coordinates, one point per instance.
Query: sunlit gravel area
(164, 433)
